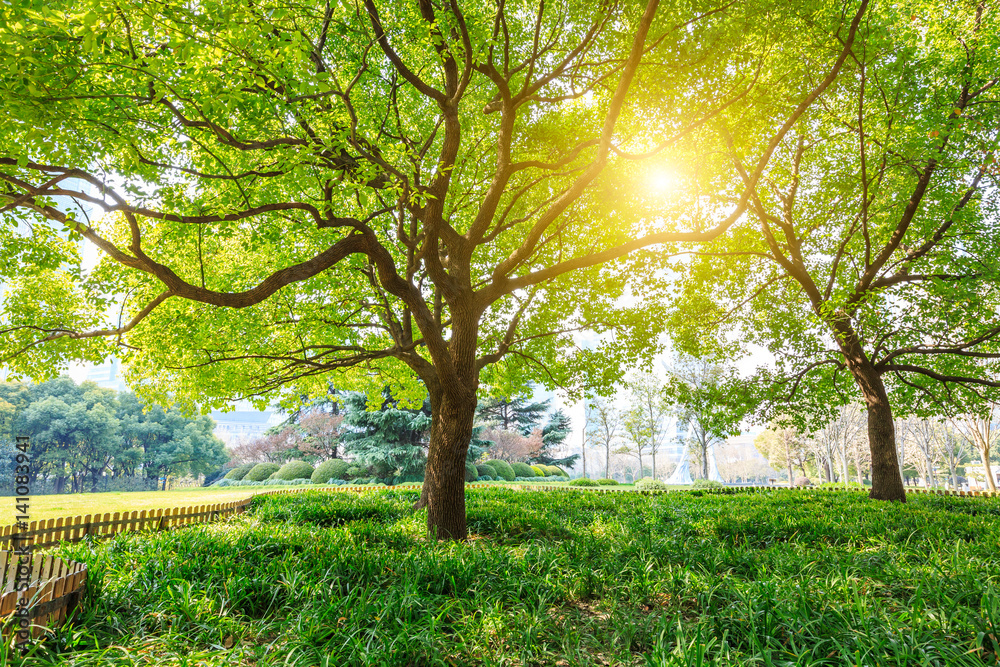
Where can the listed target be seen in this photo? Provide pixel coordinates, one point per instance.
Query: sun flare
(661, 181)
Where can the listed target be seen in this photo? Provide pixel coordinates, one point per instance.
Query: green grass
(552, 578)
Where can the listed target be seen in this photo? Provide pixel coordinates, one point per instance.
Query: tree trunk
(887, 480)
(444, 480)
(991, 482)
(607, 459)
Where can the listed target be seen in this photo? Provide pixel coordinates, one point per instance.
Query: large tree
(416, 190)
(868, 262)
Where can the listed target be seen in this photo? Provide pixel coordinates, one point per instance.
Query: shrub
(803, 481)
(538, 471)
(522, 470)
(471, 474)
(486, 470)
(503, 469)
(581, 481)
(239, 472)
(607, 482)
(332, 469)
(650, 484)
(707, 484)
(261, 471)
(294, 470)
(354, 472)
(485, 478)
(553, 470)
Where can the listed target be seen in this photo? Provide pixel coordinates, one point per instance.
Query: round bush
(553, 470)
(486, 470)
(803, 481)
(327, 470)
(261, 471)
(522, 470)
(239, 472)
(650, 484)
(294, 470)
(707, 484)
(471, 474)
(503, 469)
(582, 481)
(607, 482)
(538, 471)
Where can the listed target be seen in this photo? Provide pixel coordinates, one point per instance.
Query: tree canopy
(417, 190)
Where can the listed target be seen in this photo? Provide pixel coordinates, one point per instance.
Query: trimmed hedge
(295, 470)
(707, 484)
(239, 472)
(471, 474)
(581, 481)
(486, 470)
(261, 471)
(607, 482)
(332, 469)
(553, 470)
(538, 471)
(650, 484)
(503, 469)
(522, 470)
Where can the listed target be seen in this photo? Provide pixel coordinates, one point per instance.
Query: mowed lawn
(81, 504)
(550, 578)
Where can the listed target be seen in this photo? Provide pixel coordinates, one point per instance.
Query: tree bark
(443, 490)
(887, 482)
(991, 484)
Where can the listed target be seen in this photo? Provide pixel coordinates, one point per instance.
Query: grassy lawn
(551, 578)
(79, 504)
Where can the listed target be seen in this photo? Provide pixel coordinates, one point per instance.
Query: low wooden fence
(55, 587)
(731, 489)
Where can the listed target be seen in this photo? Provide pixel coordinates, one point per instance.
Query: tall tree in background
(783, 447)
(868, 263)
(391, 439)
(650, 410)
(703, 394)
(417, 188)
(979, 430)
(554, 434)
(518, 413)
(605, 429)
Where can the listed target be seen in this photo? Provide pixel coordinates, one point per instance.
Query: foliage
(840, 485)
(522, 469)
(707, 484)
(261, 472)
(332, 469)
(471, 474)
(650, 484)
(511, 446)
(803, 481)
(240, 471)
(582, 481)
(503, 469)
(554, 434)
(518, 413)
(391, 440)
(607, 481)
(486, 470)
(538, 471)
(553, 470)
(416, 192)
(295, 470)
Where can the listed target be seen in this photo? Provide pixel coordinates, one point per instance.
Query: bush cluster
(582, 481)
(550, 478)
(503, 469)
(263, 482)
(332, 469)
(294, 470)
(486, 470)
(707, 484)
(607, 481)
(239, 472)
(261, 471)
(650, 484)
(538, 471)
(471, 474)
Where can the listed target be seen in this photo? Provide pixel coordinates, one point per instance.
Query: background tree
(701, 392)
(867, 264)
(978, 430)
(784, 448)
(605, 429)
(651, 409)
(391, 440)
(518, 413)
(415, 188)
(554, 434)
(511, 446)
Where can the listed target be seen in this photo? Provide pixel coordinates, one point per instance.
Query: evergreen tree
(517, 413)
(553, 435)
(391, 440)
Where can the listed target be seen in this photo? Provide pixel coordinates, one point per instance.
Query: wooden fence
(55, 587)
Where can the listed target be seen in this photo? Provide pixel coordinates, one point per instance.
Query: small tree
(978, 430)
(605, 429)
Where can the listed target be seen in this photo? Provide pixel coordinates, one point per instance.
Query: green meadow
(551, 578)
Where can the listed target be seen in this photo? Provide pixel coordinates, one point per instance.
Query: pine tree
(516, 413)
(553, 435)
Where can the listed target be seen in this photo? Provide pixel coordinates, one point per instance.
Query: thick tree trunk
(444, 480)
(887, 482)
